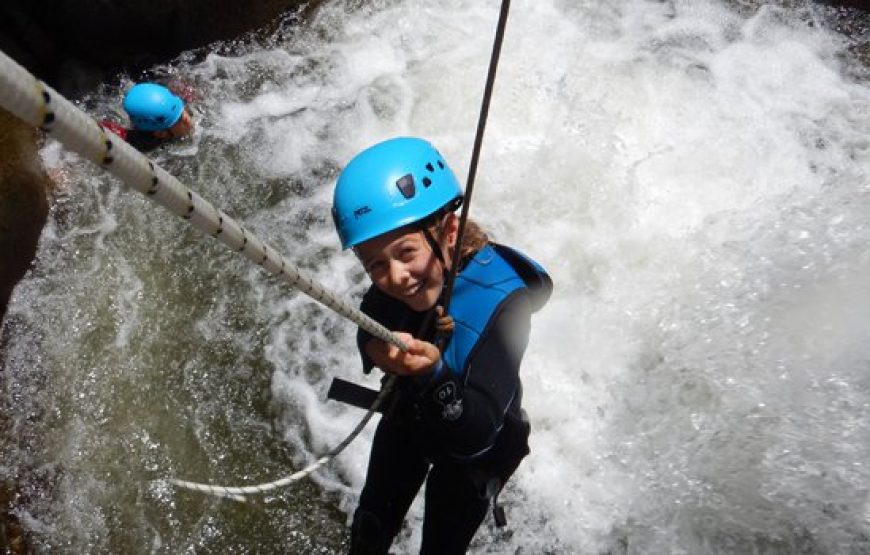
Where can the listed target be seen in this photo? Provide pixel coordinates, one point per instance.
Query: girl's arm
(467, 412)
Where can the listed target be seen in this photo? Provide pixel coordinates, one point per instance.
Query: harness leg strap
(352, 394)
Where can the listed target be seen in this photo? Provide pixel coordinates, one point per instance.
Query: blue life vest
(490, 277)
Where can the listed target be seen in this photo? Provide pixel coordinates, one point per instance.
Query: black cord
(478, 141)
(390, 382)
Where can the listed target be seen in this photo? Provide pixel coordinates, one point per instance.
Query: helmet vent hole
(440, 164)
(427, 182)
(429, 167)
(406, 185)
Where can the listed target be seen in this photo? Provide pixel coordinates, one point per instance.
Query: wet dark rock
(857, 4)
(851, 18)
(76, 44)
(13, 537)
(23, 212)
(753, 5)
(23, 202)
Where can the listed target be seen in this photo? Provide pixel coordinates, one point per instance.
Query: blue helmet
(389, 185)
(152, 107)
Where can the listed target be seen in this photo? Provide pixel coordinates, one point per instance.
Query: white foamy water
(694, 179)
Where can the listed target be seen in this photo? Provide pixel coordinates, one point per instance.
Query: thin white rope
(238, 493)
(35, 102)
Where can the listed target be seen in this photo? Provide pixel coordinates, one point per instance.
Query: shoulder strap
(537, 280)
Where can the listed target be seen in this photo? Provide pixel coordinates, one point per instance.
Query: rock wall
(75, 44)
(23, 201)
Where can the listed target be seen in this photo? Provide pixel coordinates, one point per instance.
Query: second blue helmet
(390, 185)
(152, 107)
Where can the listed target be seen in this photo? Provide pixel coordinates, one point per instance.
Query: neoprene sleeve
(464, 412)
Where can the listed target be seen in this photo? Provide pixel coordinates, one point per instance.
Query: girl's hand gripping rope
(443, 324)
(420, 359)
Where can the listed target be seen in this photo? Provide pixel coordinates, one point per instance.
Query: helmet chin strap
(436, 248)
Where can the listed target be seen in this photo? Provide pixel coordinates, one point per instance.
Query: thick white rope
(35, 102)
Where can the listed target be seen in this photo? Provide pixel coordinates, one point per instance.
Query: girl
(454, 419)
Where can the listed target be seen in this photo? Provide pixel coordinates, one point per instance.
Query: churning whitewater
(693, 175)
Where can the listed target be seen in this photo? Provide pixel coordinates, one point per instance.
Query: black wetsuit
(467, 458)
(143, 141)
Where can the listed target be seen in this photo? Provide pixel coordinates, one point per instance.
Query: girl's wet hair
(473, 239)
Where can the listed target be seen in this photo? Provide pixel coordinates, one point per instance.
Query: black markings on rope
(107, 159)
(190, 207)
(244, 240)
(107, 144)
(265, 255)
(220, 228)
(282, 266)
(155, 183)
(48, 118)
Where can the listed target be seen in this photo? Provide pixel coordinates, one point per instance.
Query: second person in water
(158, 115)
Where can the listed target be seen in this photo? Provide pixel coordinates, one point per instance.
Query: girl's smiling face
(401, 263)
